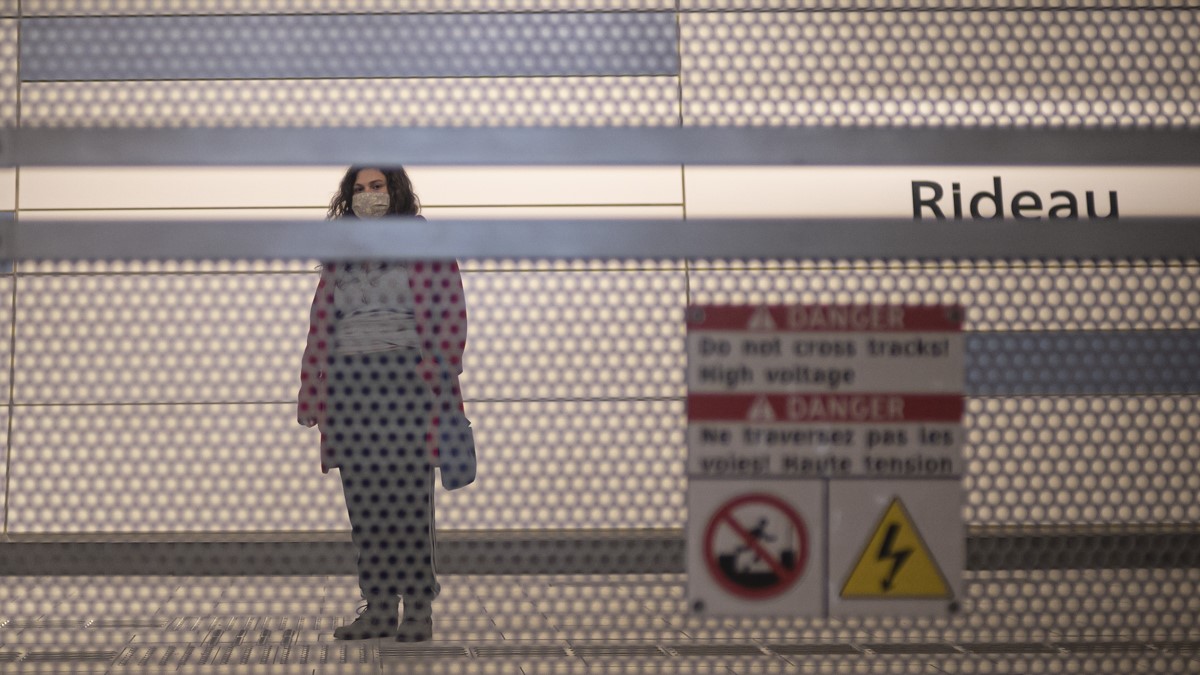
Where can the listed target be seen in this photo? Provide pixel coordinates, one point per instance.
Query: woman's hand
(309, 411)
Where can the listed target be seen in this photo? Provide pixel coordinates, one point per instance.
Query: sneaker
(374, 621)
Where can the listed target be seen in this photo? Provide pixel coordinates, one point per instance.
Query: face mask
(370, 204)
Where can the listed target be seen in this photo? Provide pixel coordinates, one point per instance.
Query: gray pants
(378, 417)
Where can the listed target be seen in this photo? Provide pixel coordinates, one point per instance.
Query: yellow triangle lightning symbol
(896, 563)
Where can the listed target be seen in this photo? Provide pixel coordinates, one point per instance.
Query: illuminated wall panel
(177, 187)
(888, 192)
(637, 100)
(161, 338)
(997, 295)
(250, 467)
(941, 67)
(292, 187)
(162, 468)
(574, 336)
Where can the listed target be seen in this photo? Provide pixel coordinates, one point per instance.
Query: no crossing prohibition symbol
(767, 552)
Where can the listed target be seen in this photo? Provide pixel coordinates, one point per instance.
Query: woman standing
(379, 375)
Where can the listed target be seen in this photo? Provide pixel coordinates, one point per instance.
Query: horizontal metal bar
(401, 238)
(551, 552)
(828, 146)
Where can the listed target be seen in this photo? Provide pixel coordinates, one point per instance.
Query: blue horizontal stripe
(1083, 363)
(349, 46)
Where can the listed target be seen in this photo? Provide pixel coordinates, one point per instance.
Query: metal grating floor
(584, 624)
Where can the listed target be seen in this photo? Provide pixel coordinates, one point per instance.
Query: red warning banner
(842, 408)
(826, 318)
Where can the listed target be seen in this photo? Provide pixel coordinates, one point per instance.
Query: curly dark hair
(403, 201)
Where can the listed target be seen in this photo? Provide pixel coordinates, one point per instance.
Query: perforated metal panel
(158, 338)
(1100, 460)
(167, 467)
(465, 101)
(942, 68)
(577, 336)
(875, 65)
(997, 295)
(158, 398)
(575, 380)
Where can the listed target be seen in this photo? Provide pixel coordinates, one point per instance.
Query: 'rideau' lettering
(929, 200)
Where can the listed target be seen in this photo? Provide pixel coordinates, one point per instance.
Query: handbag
(456, 451)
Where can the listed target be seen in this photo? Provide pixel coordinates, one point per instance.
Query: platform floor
(1085, 622)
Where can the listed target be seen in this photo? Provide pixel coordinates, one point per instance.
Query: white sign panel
(942, 192)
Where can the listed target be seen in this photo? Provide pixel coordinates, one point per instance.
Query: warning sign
(896, 563)
(825, 435)
(753, 548)
(756, 546)
(895, 547)
(825, 349)
(862, 404)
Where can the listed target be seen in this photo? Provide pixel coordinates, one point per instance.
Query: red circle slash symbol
(745, 564)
